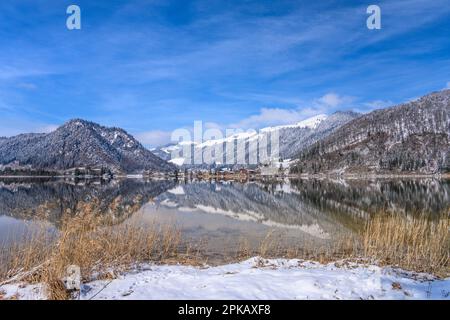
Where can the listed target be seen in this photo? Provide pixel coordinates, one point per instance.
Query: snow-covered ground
(259, 279)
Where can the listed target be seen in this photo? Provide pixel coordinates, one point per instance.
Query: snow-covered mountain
(410, 137)
(80, 143)
(293, 138)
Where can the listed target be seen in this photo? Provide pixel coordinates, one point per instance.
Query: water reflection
(50, 199)
(225, 212)
(424, 196)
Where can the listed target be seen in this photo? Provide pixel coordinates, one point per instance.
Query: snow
(252, 135)
(22, 291)
(310, 123)
(177, 161)
(243, 216)
(116, 134)
(314, 230)
(230, 139)
(134, 176)
(182, 143)
(178, 190)
(168, 203)
(258, 278)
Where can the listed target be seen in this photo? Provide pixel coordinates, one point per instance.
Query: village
(270, 169)
(227, 173)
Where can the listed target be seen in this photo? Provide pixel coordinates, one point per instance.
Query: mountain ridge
(292, 138)
(409, 137)
(80, 143)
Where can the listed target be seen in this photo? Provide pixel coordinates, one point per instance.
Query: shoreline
(253, 279)
(249, 178)
(155, 256)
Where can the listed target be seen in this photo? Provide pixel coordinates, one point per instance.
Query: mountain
(80, 143)
(410, 137)
(295, 139)
(51, 199)
(292, 139)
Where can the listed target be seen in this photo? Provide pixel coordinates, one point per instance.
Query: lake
(224, 215)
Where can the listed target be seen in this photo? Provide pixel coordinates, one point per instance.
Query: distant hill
(411, 137)
(80, 143)
(292, 138)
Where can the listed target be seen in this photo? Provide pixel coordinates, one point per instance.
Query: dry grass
(273, 246)
(101, 249)
(413, 243)
(417, 243)
(86, 241)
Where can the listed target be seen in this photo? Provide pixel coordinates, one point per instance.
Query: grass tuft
(102, 249)
(86, 241)
(417, 243)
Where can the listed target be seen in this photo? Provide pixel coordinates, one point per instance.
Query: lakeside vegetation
(103, 250)
(9, 172)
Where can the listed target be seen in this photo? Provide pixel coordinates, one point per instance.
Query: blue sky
(151, 66)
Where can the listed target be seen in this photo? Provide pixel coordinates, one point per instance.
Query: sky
(152, 66)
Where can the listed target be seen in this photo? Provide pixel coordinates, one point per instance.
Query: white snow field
(258, 279)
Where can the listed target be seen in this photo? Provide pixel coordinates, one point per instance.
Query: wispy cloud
(27, 85)
(274, 116)
(278, 116)
(373, 105)
(14, 73)
(47, 128)
(154, 138)
(334, 100)
(10, 126)
(158, 65)
(263, 118)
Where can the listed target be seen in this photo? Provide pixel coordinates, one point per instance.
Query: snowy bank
(259, 279)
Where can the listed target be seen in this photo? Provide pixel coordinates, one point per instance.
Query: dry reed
(100, 248)
(414, 243)
(417, 243)
(86, 241)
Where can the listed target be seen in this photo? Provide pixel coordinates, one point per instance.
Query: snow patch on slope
(310, 123)
(177, 161)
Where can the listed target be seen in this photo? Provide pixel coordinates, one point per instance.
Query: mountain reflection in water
(222, 213)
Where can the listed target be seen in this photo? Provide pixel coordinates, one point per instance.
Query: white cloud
(412, 99)
(27, 85)
(326, 104)
(334, 100)
(448, 85)
(10, 127)
(47, 128)
(154, 138)
(376, 104)
(278, 116)
(212, 125)
(274, 116)
(25, 71)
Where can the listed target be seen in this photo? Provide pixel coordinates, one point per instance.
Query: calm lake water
(223, 214)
